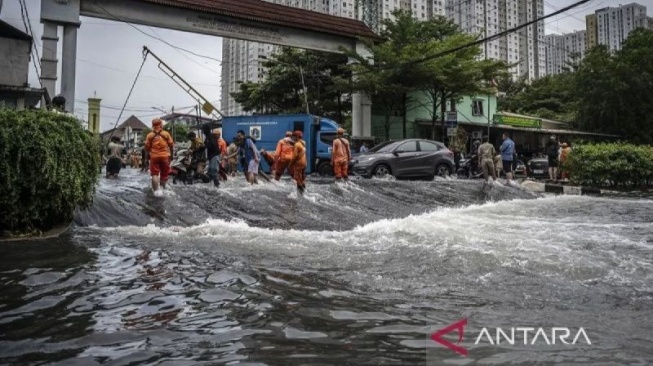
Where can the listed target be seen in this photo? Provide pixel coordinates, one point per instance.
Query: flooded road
(355, 275)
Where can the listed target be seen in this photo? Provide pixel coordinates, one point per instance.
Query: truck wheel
(381, 171)
(325, 169)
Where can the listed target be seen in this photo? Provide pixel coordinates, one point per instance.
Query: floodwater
(353, 275)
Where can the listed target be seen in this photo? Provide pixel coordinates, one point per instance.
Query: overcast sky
(109, 55)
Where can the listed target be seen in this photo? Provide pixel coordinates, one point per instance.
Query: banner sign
(517, 121)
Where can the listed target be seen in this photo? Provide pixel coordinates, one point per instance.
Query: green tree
(451, 76)
(327, 84)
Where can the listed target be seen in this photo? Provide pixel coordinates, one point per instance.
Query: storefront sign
(517, 121)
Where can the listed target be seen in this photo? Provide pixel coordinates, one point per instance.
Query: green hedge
(49, 166)
(611, 164)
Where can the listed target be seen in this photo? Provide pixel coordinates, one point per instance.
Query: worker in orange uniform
(270, 158)
(298, 161)
(284, 154)
(340, 156)
(159, 144)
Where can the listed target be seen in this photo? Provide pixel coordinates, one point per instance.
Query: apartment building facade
(563, 49)
(611, 26)
(525, 48)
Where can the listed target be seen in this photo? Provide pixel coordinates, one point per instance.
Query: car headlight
(353, 161)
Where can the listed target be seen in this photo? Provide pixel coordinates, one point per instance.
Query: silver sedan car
(405, 159)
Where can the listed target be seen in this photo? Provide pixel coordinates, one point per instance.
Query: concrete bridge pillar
(69, 65)
(49, 60)
(53, 15)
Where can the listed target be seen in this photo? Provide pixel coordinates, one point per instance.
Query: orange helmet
(298, 134)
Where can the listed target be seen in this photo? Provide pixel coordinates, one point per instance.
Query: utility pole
(301, 72)
(174, 130)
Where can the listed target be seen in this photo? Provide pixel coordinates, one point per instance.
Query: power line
(498, 35)
(28, 28)
(158, 38)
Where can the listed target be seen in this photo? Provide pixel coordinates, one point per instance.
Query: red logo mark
(458, 326)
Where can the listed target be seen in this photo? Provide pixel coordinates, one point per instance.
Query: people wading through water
(507, 155)
(212, 154)
(232, 156)
(252, 157)
(159, 144)
(298, 162)
(340, 156)
(114, 163)
(283, 153)
(270, 158)
(222, 146)
(486, 154)
(198, 153)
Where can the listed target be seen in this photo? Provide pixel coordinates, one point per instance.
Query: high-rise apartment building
(561, 50)
(524, 48)
(611, 26)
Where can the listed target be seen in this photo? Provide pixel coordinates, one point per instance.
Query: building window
(477, 108)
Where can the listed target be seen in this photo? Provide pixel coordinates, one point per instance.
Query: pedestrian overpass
(251, 20)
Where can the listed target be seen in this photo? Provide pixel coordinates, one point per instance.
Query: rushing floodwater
(355, 275)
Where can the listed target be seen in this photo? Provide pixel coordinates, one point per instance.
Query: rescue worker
(270, 158)
(340, 156)
(159, 144)
(114, 163)
(486, 153)
(284, 155)
(298, 162)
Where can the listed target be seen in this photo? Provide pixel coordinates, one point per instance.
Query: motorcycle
(469, 168)
(183, 169)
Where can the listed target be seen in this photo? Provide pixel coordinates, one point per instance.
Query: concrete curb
(540, 187)
(53, 233)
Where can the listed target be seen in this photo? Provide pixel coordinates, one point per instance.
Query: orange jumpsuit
(284, 154)
(158, 144)
(340, 157)
(299, 164)
(270, 158)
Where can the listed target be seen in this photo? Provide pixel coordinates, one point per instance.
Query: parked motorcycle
(184, 169)
(469, 168)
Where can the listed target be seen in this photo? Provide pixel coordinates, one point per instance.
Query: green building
(479, 117)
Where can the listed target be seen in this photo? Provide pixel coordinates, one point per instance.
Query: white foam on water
(545, 236)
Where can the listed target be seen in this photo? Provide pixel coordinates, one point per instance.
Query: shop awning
(551, 131)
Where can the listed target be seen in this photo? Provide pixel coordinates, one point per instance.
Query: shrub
(48, 167)
(611, 164)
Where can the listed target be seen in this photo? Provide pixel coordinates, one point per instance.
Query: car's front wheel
(382, 171)
(442, 170)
